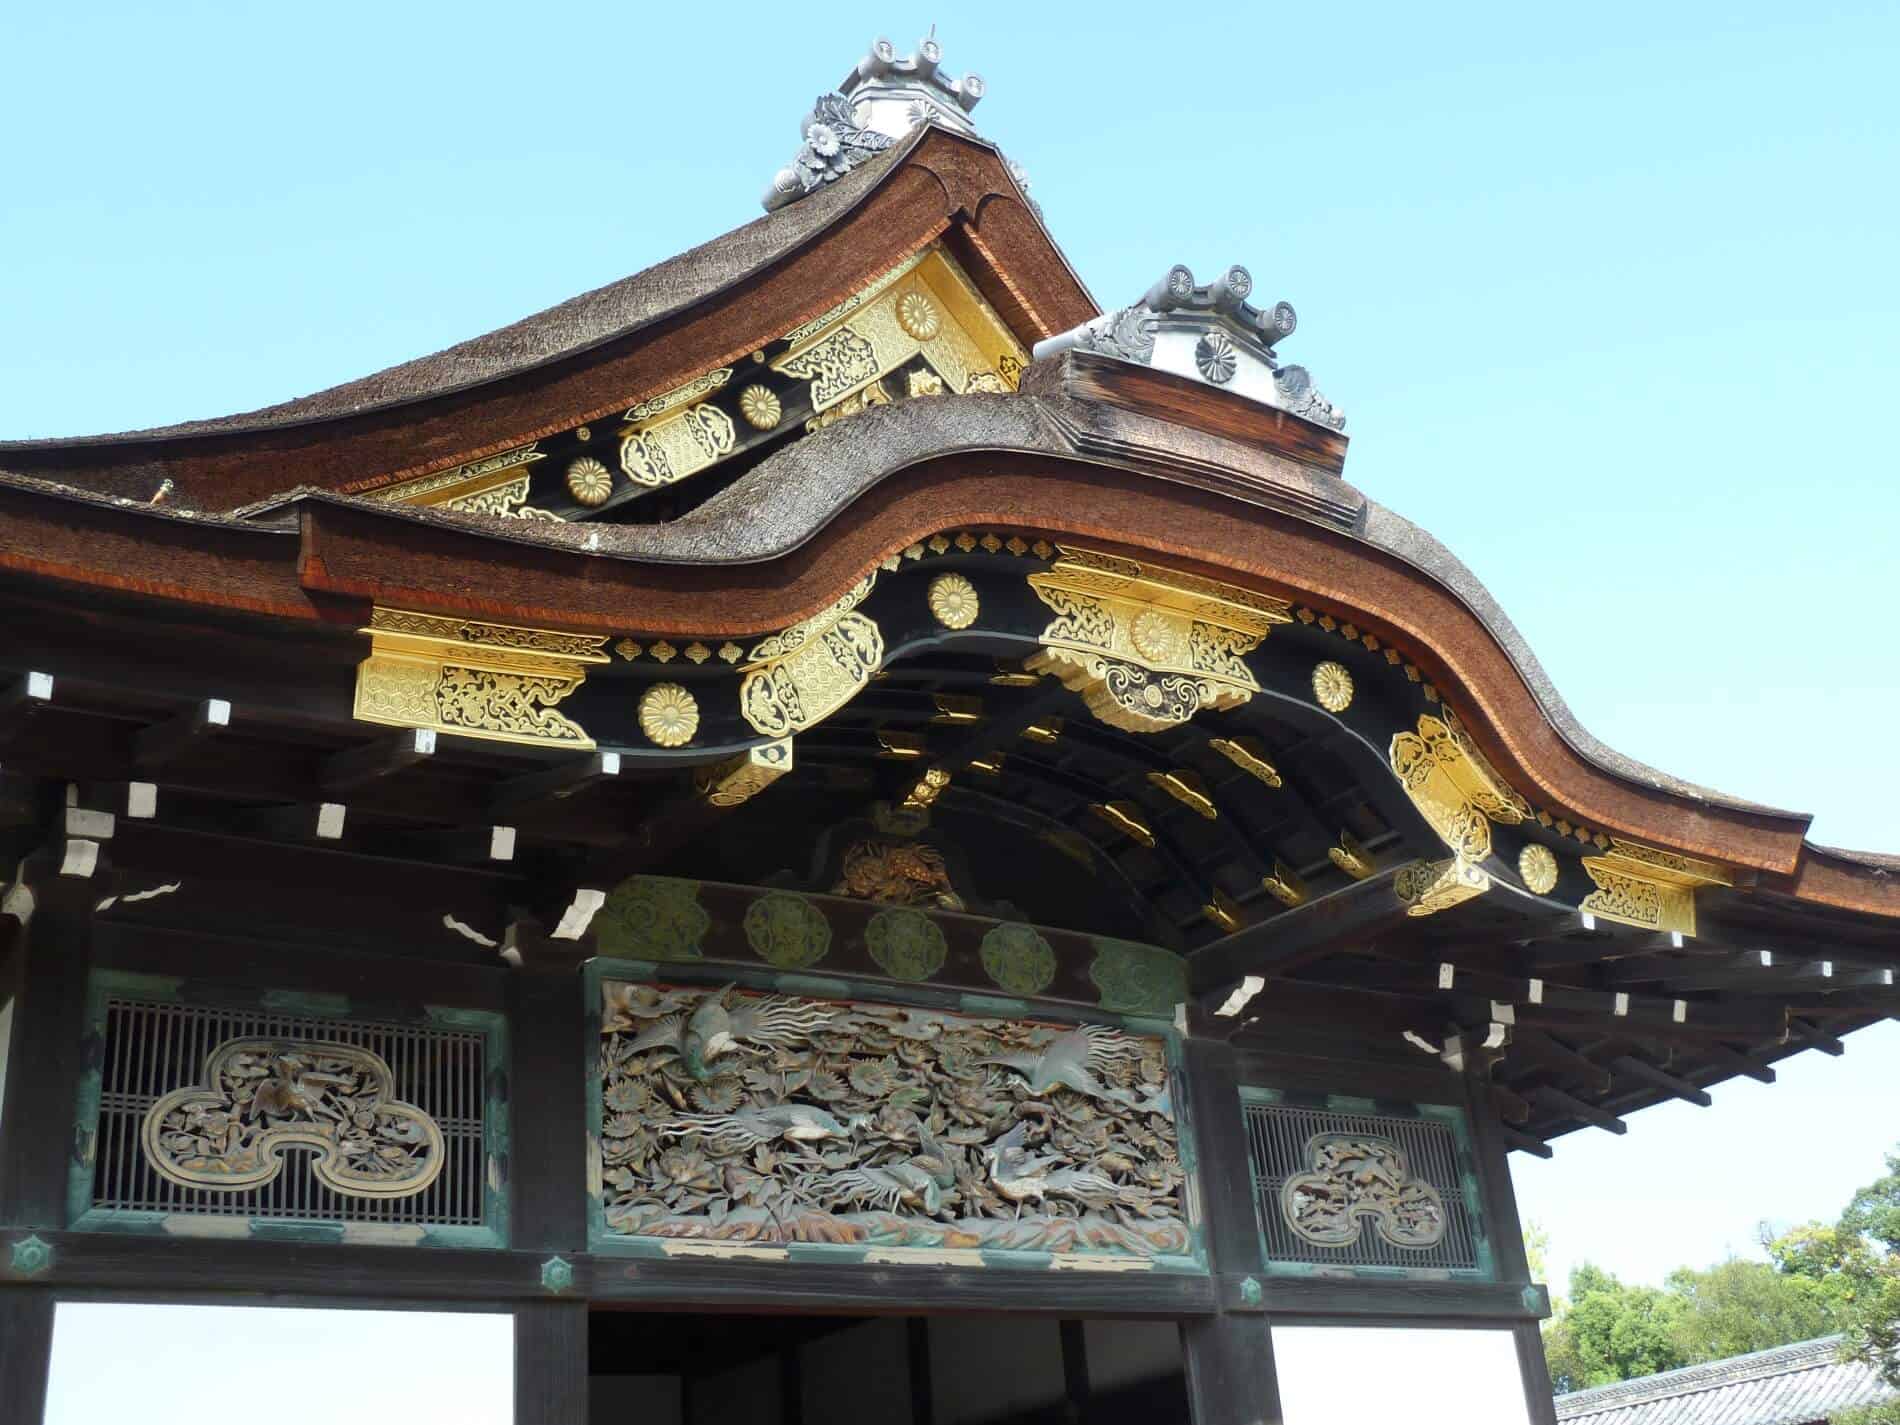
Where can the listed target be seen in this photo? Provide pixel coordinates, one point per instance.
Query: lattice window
(437, 1075)
(1362, 1189)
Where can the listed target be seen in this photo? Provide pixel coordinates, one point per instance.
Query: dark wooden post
(26, 1348)
(1229, 1357)
(1500, 1206)
(551, 1363)
(52, 958)
(547, 1158)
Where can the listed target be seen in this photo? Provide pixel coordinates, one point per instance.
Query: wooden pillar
(52, 957)
(1507, 1239)
(547, 1158)
(551, 1363)
(547, 1091)
(26, 1349)
(1229, 1357)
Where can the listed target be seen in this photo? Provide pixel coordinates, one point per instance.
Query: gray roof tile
(1800, 1384)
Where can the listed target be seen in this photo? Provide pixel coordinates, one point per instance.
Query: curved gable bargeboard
(600, 353)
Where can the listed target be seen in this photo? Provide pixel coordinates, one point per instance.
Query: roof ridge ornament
(883, 98)
(1210, 333)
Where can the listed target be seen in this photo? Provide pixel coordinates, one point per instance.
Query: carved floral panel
(742, 1117)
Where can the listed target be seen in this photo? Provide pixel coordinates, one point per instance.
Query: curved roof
(1147, 466)
(1803, 1384)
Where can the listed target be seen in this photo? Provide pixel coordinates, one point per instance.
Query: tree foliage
(1819, 1279)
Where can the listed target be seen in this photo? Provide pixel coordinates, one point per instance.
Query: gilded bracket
(1459, 794)
(493, 485)
(1641, 886)
(795, 679)
(925, 306)
(739, 779)
(1148, 647)
(677, 434)
(1427, 887)
(474, 679)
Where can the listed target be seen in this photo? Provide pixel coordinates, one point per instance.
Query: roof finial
(883, 98)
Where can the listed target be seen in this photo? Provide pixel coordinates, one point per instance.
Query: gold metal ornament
(738, 779)
(1537, 867)
(472, 678)
(589, 482)
(1223, 910)
(795, 679)
(1350, 857)
(1188, 789)
(1642, 886)
(917, 315)
(1283, 885)
(1427, 887)
(669, 715)
(1126, 818)
(456, 489)
(953, 601)
(760, 407)
(924, 306)
(1249, 756)
(1332, 686)
(1147, 647)
(1453, 786)
(674, 446)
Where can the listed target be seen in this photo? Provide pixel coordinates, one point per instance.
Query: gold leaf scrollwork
(796, 679)
(677, 445)
(1455, 789)
(1427, 887)
(472, 678)
(1642, 886)
(1148, 647)
(262, 1096)
(739, 779)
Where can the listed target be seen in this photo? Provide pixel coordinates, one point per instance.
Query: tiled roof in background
(1789, 1385)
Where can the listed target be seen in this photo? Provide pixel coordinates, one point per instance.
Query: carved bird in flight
(1073, 1060)
(735, 1132)
(717, 1028)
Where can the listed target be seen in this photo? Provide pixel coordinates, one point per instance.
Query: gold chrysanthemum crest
(760, 407)
(589, 482)
(917, 315)
(1538, 867)
(669, 715)
(953, 600)
(1332, 685)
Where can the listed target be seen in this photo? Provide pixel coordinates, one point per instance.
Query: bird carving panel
(737, 1116)
(261, 1097)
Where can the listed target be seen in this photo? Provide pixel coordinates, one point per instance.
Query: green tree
(1611, 1331)
(1866, 1243)
(1819, 1279)
(1740, 1306)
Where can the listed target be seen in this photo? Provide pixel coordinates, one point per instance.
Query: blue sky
(1608, 294)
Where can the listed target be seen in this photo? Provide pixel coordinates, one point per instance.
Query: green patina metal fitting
(654, 917)
(557, 1275)
(1018, 959)
(787, 931)
(1251, 1292)
(30, 1256)
(1137, 979)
